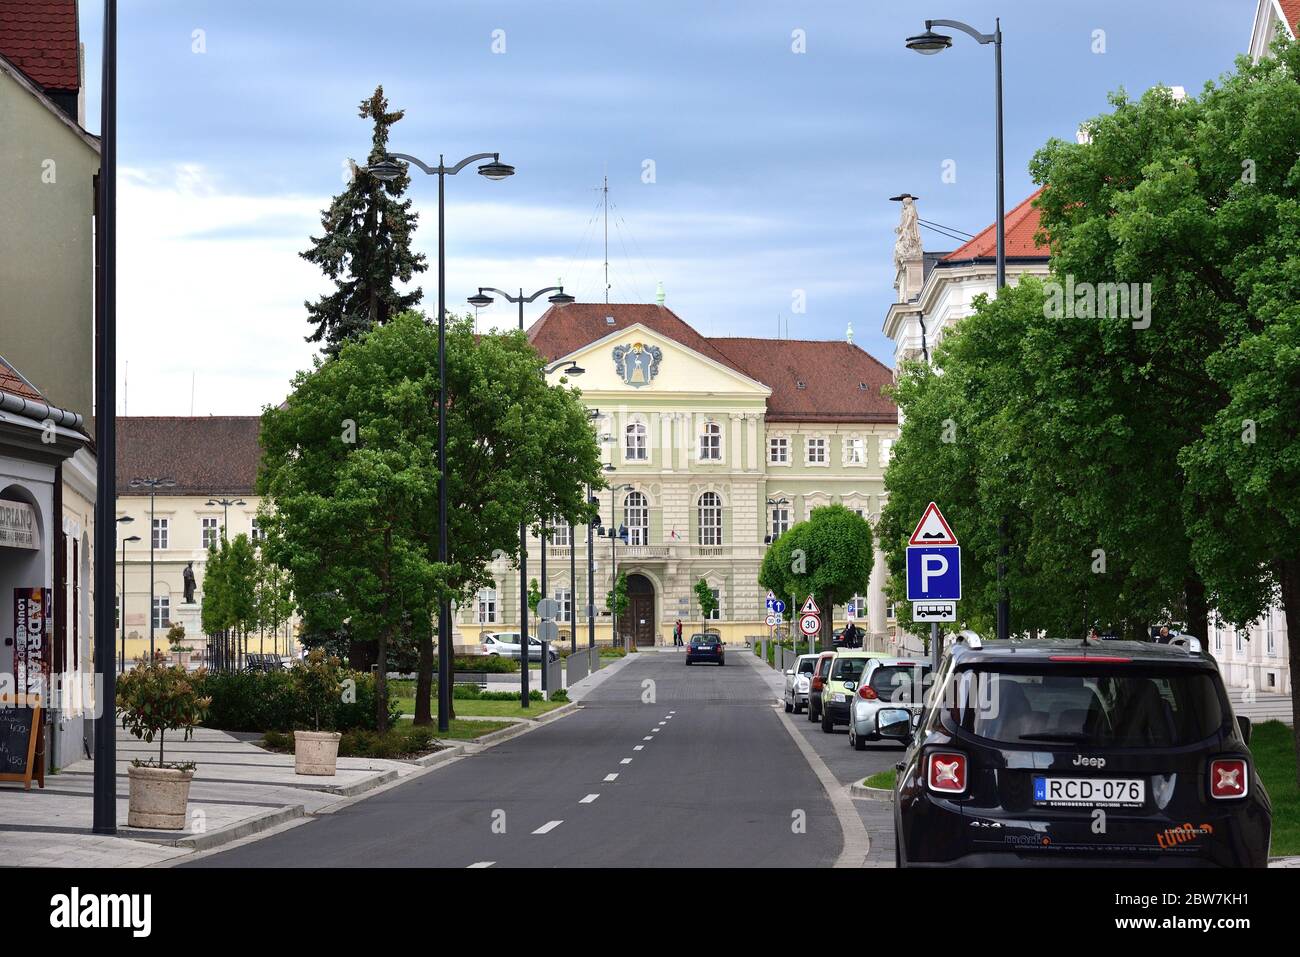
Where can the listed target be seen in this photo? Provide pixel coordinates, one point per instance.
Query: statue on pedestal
(188, 576)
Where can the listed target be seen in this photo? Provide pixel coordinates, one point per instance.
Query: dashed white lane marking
(626, 761)
(548, 827)
(662, 723)
(481, 864)
(589, 798)
(638, 747)
(654, 730)
(648, 738)
(672, 712)
(612, 777)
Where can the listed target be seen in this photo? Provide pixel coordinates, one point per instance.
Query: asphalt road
(716, 782)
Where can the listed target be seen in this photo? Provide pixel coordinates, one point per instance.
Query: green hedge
(264, 701)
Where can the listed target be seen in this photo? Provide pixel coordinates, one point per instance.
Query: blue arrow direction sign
(778, 606)
(934, 573)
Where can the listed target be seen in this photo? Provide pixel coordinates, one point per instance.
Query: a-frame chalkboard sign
(22, 751)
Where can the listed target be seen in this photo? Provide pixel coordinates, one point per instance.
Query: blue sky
(772, 169)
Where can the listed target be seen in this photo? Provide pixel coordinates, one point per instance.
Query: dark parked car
(817, 684)
(706, 647)
(1093, 754)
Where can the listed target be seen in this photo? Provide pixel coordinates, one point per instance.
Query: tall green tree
(708, 603)
(365, 246)
(350, 463)
(829, 556)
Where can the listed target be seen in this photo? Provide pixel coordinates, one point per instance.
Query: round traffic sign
(771, 620)
(810, 624)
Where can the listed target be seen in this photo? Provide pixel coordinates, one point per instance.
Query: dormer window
(800, 384)
(609, 320)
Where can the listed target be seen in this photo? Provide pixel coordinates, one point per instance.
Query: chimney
(659, 293)
(848, 334)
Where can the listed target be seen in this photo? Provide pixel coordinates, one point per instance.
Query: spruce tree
(366, 246)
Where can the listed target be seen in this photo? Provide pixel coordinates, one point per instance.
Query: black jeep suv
(1041, 753)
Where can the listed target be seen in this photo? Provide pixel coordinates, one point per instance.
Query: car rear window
(807, 666)
(848, 669)
(698, 640)
(1089, 706)
(897, 682)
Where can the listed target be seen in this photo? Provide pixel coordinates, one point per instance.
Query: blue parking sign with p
(934, 573)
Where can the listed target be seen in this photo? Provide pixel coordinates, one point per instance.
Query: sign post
(933, 574)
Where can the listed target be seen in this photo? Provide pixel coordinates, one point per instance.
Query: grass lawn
(1273, 746)
(469, 707)
(463, 730)
(882, 779)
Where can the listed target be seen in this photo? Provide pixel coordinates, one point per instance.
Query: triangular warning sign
(932, 529)
(810, 607)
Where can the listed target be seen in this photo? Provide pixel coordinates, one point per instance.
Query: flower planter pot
(315, 752)
(158, 797)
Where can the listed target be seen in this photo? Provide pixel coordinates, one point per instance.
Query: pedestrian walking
(677, 633)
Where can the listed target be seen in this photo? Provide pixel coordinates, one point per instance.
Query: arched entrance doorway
(639, 619)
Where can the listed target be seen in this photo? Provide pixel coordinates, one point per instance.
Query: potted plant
(176, 639)
(154, 698)
(318, 688)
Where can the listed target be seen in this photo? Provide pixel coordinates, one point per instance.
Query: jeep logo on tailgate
(1081, 762)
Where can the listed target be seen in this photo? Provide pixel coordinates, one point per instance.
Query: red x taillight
(1228, 778)
(867, 692)
(946, 772)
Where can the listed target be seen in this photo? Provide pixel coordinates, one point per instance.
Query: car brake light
(1228, 778)
(817, 684)
(946, 772)
(1091, 658)
(867, 693)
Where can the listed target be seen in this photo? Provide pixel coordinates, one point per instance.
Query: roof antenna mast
(605, 190)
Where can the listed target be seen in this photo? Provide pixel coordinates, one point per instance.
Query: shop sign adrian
(17, 525)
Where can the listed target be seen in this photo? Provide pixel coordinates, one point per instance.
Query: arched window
(634, 449)
(710, 506)
(636, 516)
(711, 443)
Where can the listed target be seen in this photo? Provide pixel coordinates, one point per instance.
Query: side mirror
(1244, 724)
(894, 723)
(850, 686)
(789, 671)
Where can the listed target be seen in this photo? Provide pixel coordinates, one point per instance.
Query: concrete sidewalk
(238, 790)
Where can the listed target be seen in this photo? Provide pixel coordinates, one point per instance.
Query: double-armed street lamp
(930, 43)
(153, 484)
(121, 604)
(225, 504)
(558, 297)
(387, 170)
(771, 535)
(616, 533)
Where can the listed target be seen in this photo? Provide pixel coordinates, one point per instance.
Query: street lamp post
(558, 298)
(387, 170)
(121, 605)
(930, 43)
(153, 484)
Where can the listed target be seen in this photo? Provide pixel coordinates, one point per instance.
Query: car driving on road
(886, 684)
(837, 691)
(706, 647)
(797, 681)
(1078, 753)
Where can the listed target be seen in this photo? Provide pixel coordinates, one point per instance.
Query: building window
(710, 508)
(1237, 632)
(117, 613)
(635, 445)
(565, 597)
(209, 527)
(560, 533)
(487, 606)
(160, 533)
(162, 611)
(889, 611)
(257, 534)
(1268, 631)
(778, 450)
(717, 598)
(816, 451)
(711, 443)
(636, 516)
(1215, 624)
(855, 451)
(780, 521)
(886, 452)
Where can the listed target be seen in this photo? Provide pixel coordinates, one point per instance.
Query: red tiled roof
(1291, 10)
(213, 455)
(840, 382)
(40, 38)
(13, 383)
(1021, 226)
(831, 372)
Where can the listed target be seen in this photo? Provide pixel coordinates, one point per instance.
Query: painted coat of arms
(637, 364)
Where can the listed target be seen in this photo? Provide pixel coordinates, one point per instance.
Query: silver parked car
(797, 680)
(887, 683)
(505, 644)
